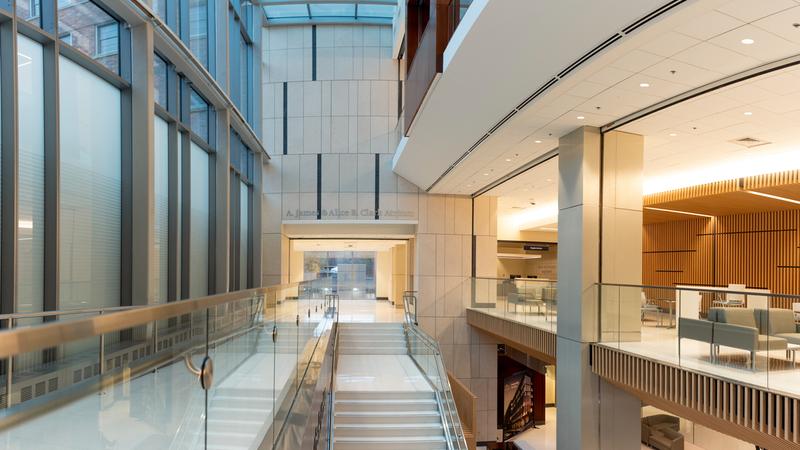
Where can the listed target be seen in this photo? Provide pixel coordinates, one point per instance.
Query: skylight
(285, 12)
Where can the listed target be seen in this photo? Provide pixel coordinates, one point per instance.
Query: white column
(599, 195)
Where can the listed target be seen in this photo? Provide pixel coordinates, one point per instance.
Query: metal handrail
(32, 338)
(700, 288)
(445, 405)
(67, 312)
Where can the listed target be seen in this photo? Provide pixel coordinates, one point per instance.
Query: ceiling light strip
(775, 197)
(678, 212)
(580, 61)
(539, 160)
(702, 90)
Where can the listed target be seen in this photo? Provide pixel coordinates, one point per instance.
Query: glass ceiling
(280, 12)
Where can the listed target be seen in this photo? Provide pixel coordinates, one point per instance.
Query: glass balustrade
(528, 301)
(191, 374)
(745, 335)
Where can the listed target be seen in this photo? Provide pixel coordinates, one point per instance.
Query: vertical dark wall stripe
(319, 186)
(377, 185)
(313, 53)
(474, 240)
(285, 118)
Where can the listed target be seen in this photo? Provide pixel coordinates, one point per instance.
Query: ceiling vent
(750, 142)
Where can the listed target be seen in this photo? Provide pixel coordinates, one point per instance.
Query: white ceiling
(344, 245)
(697, 44)
(510, 49)
(530, 199)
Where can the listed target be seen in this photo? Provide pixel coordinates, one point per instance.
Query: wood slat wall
(761, 250)
(764, 418)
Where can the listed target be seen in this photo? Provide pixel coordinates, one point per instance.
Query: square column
(599, 240)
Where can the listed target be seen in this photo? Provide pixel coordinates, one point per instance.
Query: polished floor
(396, 373)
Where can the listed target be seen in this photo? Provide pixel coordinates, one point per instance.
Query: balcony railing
(187, 374)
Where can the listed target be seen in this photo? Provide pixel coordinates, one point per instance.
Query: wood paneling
(467, 406)
(760, 250)
(755, 415)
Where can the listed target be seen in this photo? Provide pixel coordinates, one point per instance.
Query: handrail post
(102, 352)
(9, 370)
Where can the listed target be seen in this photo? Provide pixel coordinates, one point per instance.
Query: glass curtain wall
(199, 222)
(90, 189)
(160, 266)
(30, 206)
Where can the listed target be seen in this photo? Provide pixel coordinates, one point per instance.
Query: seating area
(752, 330)
(662, 432)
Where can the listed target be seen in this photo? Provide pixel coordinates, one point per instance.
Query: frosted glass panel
(90, 189)
(243, 234)
(161, 210)
(30, 223)
(198, 227)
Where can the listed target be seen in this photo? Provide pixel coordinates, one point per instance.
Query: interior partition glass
(90, 189)
(87, 27)
(30, 206)
(347, 273)
(161, 210)
(198, 227)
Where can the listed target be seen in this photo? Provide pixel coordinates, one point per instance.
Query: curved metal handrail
(32, 338)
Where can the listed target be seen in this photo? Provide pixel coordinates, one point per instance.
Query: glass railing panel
(240, 401)
(748, 335)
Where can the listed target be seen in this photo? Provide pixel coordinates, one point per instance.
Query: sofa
(662, 431)
(779, 323)
(743, 328)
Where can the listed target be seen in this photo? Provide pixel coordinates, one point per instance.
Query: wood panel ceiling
(725, 198)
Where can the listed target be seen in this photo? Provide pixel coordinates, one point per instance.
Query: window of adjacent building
(159, 7)
(107, 39)
(160, 81)
(198, 115)
(92, 31)
(30, 199)
(90, 189)
(161, 210)
(198, 29)
(66, 38)
(29, 11)
(199, 220)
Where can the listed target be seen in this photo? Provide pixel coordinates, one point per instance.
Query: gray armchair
(698, 330)
(667, 439)
(657, 424)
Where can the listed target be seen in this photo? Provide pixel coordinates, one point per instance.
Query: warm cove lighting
(775, 197)
(537, 216)
(723, 169)
(677, 211)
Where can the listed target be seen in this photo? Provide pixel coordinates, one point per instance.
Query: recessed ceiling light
(673, 134)
(549, 180)
(538, 142)
(508, 159)
(748, 113)
(486, 174)
(644, 85)
(747, 41)
(580, 117)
